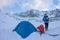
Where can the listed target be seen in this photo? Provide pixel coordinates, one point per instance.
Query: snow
(8, 23)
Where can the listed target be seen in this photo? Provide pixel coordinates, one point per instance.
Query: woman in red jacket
(41, 29)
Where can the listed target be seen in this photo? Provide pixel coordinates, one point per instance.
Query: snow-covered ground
(8, 23)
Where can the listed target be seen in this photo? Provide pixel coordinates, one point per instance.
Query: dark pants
(46, 26)
(40, 32)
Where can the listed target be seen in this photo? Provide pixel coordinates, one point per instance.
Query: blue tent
(24, 29)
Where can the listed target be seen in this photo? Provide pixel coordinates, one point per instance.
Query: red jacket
(41, 28)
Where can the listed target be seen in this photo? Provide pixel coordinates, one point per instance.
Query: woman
(46, 21)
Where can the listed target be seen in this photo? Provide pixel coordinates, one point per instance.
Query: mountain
(56, 14)
(29, 13)
(37, 13)
(53, 14)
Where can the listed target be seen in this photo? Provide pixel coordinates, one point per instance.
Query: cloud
(5, 3)
(26, 4)
(58, 6)
(38, 4)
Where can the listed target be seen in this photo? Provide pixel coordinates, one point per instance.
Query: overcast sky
(23, 5)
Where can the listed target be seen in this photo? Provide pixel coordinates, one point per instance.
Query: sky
(24, 5)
